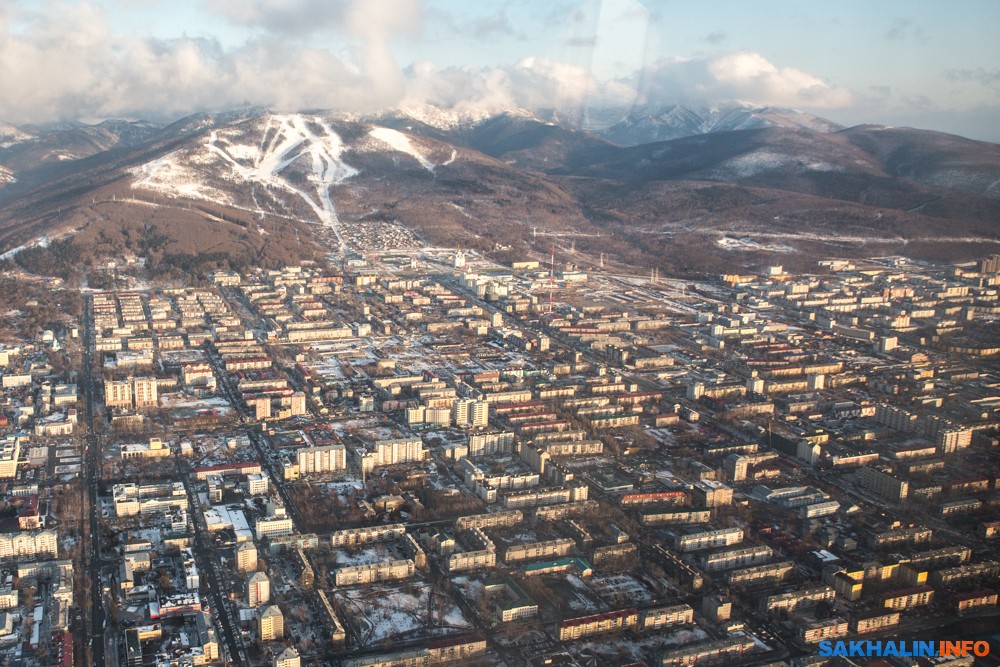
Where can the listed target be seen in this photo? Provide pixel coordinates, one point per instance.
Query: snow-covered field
(381, 613)
(41, 242)
(176, 401)
(170, 176)
(367, 555)
(729, 243)
(616, 587)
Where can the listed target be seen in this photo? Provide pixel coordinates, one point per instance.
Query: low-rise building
(288, 658)
(586, 626)
(533, 550)
(975, 600)
(796, 599)
(273, 526)
(660, 618)
(907, 598)
(724, 537)
(722, 651)
(812, 632)
(370, 573)
(727, 560)
(874, 621)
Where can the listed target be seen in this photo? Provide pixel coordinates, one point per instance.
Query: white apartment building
(322, 459)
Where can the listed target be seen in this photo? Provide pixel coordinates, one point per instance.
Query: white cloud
(376, 22)
(461, 88)
(543, 82)
(744, 76)
(66, 62)
(531, 83)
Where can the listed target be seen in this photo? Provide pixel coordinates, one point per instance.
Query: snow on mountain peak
(458, 116)
(286, 139)
(11, 135)
(401, 143)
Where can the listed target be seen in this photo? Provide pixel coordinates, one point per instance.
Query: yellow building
(847, 587)
(912, 574)
(145, 392)
(270, 624)
(288, 658)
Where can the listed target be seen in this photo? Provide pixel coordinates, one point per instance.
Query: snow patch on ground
(41, 242)
(6, 175)
(401, 143)
(756, 162)
(363, 556)
(381, 613)
(746, 240)
(962, 177)
(460, 209)
(241, 152)
(11, 136)
(745, 244)
(822, 166)
(170, 176)
(177, 400)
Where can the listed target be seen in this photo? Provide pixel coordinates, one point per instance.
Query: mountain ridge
(495, 182)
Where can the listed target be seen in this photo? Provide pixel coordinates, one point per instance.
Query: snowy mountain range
(646, 183)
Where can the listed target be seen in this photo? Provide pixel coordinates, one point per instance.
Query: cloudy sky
(923, 63)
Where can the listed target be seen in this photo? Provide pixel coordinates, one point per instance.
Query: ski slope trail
(401, 143)
(287, 139)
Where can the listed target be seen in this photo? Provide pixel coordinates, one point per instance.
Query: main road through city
(89, 491)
